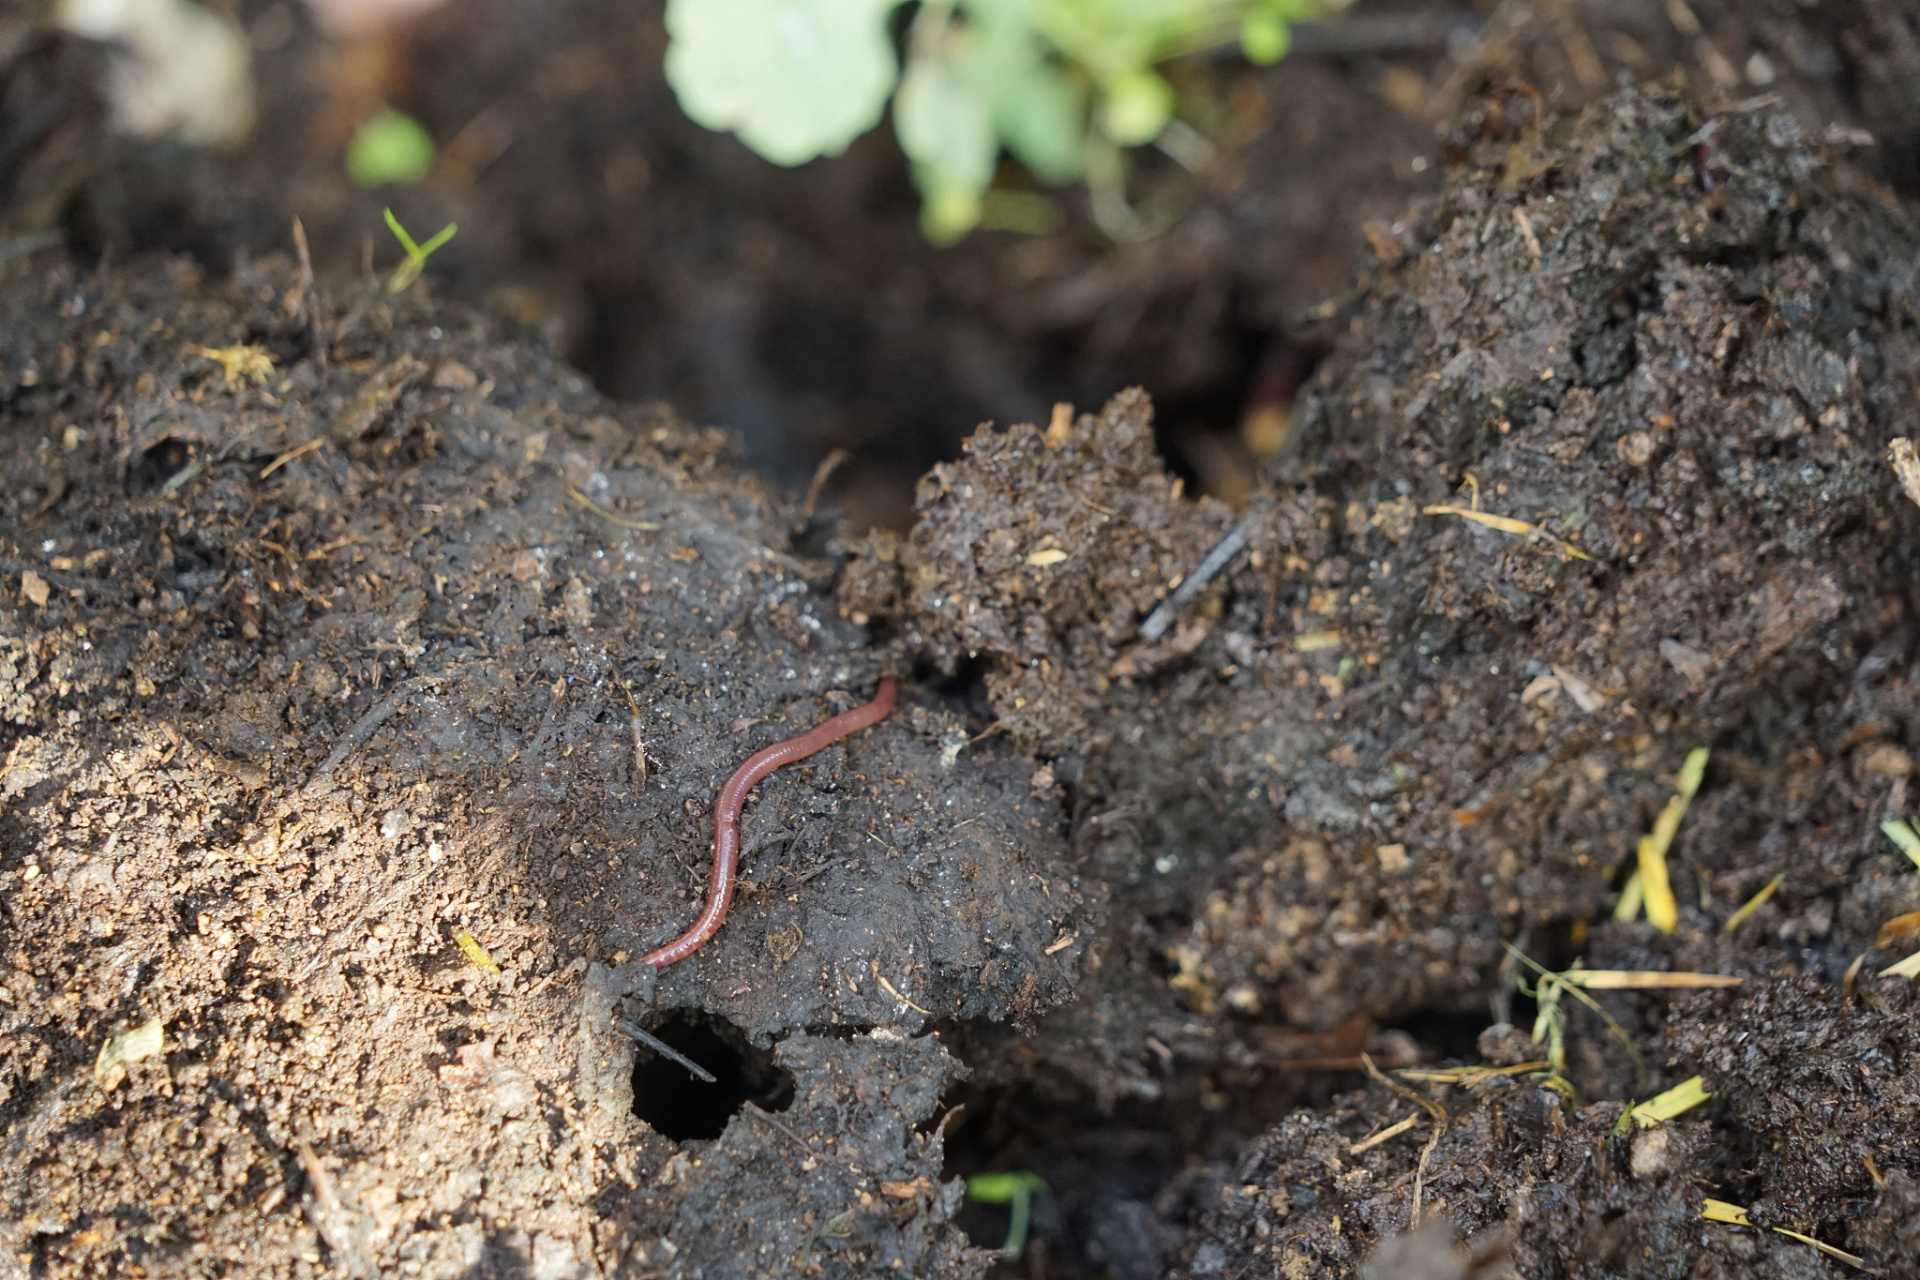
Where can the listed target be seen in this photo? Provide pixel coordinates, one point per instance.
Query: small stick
(828, 465)
(758, 1113)
(1209, 567)
(666, 1050)
(364, 728)
(639, 743)
(1441, 1122)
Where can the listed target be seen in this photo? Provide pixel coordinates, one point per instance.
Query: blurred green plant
(1064, 86)
(391, 147)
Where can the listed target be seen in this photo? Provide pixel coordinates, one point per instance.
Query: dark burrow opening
(674, 1100)
(1110, 1190)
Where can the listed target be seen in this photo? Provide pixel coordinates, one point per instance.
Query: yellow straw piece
(642, 526)
(1678, 1100)
(1642, 979)
(1505, 524)
(1721, 1211)
(1662, 911)
(1903, 835)
(1734, 1216)
(1908, 968)
(1754, 903)
(476, 952)
(1633, 896)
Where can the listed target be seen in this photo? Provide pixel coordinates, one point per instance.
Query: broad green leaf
(1117, 37)
(947, 132)
(795, 79)
(1043, 119)
(1038, 112)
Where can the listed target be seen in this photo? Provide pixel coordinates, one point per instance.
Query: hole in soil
(686, 1109)
(156, 465)
(1122, 1183)
(1450, 1035)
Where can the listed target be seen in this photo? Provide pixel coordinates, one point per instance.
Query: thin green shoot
(1015, 1190)
(417, 254)
(1549, 1027)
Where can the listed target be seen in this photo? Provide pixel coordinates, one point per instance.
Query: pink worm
(726, 816)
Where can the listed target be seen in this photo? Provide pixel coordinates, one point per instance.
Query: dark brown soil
(310, 672)
(277, 734)
(1687, 393)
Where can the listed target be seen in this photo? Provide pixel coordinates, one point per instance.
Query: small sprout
(391, 147)
(417, 254)
(1549, 1027)
(1015, 1190)
(1680, 1099)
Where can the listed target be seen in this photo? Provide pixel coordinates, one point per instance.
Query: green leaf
(795, 79)
(1135, 107)
(1039, 112)
(947, 132)
(391, 147)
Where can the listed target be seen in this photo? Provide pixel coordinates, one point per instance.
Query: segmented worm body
(726, 816)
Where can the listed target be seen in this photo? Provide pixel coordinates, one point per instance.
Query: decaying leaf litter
(277, 742)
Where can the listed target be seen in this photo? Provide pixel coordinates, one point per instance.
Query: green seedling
(1015, 1190)
(1549, 1027)
(417, 254)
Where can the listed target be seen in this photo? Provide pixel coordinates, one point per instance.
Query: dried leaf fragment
(1906, 465)
(143, 1041)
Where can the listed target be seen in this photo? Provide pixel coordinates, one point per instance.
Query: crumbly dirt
(374, 652)
(1668, 348)
(399, 634)
(801, 308)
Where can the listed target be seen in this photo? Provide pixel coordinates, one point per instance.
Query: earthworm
(726, 815)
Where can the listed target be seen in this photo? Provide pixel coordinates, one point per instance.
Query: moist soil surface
(367, 676)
